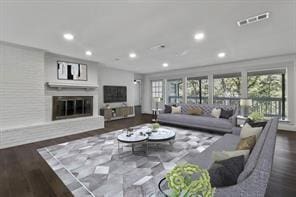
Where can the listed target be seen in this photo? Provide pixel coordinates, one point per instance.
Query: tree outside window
(197, 90)
(227, 88)
(267, 90)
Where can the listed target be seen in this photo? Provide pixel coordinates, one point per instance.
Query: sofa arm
(161, 111)
(232, 119)
(236, 130)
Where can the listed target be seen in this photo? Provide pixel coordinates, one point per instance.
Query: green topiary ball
(189, 180)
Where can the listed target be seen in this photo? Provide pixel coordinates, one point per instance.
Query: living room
(104, 98)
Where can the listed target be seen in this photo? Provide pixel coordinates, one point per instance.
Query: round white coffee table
(145, 135)
(134, 138)
(162, 135)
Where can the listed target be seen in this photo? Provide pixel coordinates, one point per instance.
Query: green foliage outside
(265, 86)
(193, 87)
(227, 87)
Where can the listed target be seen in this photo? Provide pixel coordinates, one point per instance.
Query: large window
(227, 89)
(267, 91)
(175, 91)
(157, 92)
(157, 89)
(197, 90)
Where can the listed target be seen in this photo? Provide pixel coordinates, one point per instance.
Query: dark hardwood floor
(24, 173)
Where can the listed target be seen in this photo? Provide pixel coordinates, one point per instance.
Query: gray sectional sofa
(205, 121)
(253, 180)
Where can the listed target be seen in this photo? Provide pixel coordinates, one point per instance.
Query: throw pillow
(226, 114)
(216, 112)
(167, 109)
(195, 111)
(225, 173)
(248, 131)
(222, 155)
(176, 110)
(247, 143)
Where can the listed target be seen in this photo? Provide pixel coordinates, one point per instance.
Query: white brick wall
(33, 133)
(26, 102)
(22, 86)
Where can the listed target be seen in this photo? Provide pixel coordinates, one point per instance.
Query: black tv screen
(113, 94)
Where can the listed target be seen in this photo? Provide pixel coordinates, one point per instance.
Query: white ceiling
(112, 29)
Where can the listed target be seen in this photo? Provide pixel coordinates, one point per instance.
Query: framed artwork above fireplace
(71, 71)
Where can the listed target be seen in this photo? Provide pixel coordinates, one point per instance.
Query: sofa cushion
(248, 131)
(222, 155)
(167, 109)
(226, 114)
(176, 110)
(247, 143)
(195, 111)
(225, 173)
(198, 121)
(254, 156)
(228, 142)
(206, 108)
(216, 113)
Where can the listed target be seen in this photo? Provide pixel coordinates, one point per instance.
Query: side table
(155, 113)
(241, 120)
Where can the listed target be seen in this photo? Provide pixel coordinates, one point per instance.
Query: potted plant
(154, 127)
(256, 116)
(256, 119)
(187, 180)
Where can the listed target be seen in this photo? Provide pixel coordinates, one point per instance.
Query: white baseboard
(28, 134)
(287, 126)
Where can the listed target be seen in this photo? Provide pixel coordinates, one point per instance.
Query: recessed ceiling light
(132, 55)
(199, 36)
(68, 36)
(165, 64)
(221, 55)
(88, 53)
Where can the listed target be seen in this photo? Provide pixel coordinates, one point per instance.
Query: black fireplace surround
(66, 107)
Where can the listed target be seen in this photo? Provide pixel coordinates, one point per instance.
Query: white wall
(21, 86)
(97, 74)
(116, 77)
(50, 65)
(140, 78)
(285, 61)
(25, 111)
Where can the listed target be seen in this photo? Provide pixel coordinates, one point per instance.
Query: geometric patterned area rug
(94, 166)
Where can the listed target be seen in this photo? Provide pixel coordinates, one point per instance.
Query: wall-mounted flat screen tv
(114, 94)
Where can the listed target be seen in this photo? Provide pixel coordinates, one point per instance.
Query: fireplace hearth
(66, 107)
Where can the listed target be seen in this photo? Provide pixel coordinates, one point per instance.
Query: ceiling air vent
(159, 46)
(253, 19)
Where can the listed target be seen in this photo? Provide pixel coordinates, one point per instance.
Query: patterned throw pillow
(225, 173)
(226, 114)
(176, 110)
(247, 143)
(216, 112)
(195, 111)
